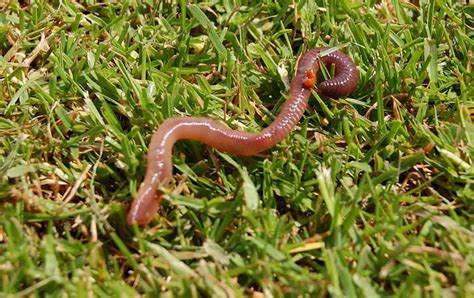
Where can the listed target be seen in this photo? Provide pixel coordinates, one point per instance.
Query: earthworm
(219, 136)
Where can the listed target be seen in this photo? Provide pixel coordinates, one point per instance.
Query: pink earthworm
(159, 164)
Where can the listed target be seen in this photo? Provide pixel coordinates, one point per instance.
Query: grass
(372, 195)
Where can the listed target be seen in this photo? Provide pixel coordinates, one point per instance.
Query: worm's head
(144, 206)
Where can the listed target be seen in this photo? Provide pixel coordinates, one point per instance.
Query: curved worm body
(219, 136)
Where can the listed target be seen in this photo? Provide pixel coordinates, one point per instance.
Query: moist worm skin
(219, 136)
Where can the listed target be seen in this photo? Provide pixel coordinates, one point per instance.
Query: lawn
(371, 195)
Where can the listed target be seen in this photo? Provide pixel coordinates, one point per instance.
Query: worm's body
(219, 136)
